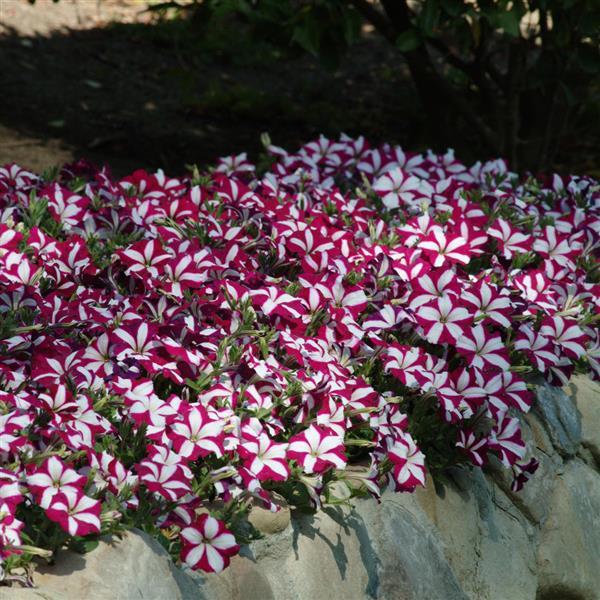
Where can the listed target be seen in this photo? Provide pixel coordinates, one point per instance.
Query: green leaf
(509, 21)
(351, 26)
(308, 33)
(408, 40)
(428, 17)
(305, 38)
(82, 546)
(506, 20)
(453, 7)
(89, 545)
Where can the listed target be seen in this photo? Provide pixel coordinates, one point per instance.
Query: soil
(108, 81)
(103, 80)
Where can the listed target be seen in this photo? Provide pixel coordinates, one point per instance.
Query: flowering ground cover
(173, 351)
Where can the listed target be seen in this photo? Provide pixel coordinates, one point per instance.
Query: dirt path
(46, 17)
(31, 153)
(106, 82)
(20, 19)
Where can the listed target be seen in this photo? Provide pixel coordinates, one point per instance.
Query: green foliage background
(519, 73)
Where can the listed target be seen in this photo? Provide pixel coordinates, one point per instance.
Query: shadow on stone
(65, 563)
(304, 525)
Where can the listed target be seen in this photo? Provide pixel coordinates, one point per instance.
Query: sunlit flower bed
(173, 351)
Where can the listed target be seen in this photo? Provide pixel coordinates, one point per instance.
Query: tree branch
(513, 109)
(434, 89)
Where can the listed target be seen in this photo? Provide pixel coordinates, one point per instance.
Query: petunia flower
(207, 544)
(53, 477)
(443, 321)
(76, 513)
(317, 449)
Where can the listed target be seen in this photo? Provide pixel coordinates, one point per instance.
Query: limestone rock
(560, 416)
(268, 522)
(569, 548)
(586, 394)
(136, 567)
(12, 593)
(374, 551)
(315, 557)
(484, 535)
(400, 535)
(534, 499)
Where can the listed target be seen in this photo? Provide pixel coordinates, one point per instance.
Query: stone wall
(475, 539)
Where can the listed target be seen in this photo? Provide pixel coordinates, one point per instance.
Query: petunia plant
(174, 351)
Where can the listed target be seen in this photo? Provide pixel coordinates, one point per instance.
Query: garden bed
(174, 351)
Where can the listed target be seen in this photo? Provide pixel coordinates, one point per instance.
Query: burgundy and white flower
(405, 363)
(592, 354)
(144, 259)
(54, 477)
(443, 321)
(535, 287)
(207, 544)
(134, 343)
(317, 449)
(182, 274)
(10, 490)
(504, 390)
(490, 306)
(146, 407)
(171, 481)
(389, 317)
(246, 331)
(66, 207)
(76, 513)
(522, 472)
(197, 434)
(264, 458)
(506, 440)
(235, 165)
(112, 474)
(396, 188)
(408, 463)
(443, 248)
(510, 240)
(273, 301)
(473, 445)
(98, 358)
(433, 285)
(560, 248)
(537, 347)
(9, 239)
(351, 298)
(483, 349)
(11, 438)
(49, 370)
(10, 531)
(565, 333)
